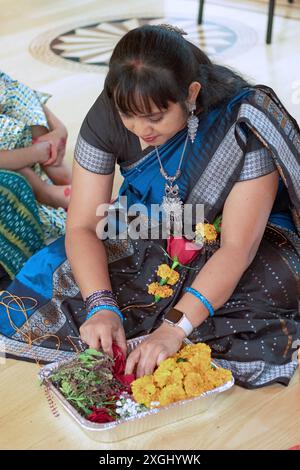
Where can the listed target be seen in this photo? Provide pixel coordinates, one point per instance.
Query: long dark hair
(156, 64)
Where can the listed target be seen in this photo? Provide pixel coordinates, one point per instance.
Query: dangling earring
(192, 122)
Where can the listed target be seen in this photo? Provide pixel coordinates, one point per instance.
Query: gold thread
(279, 233)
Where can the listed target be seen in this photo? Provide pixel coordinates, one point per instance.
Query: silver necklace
(172, 204)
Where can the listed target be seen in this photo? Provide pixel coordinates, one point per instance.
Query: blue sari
(255, 331)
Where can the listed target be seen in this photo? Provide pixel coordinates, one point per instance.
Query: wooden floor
(267, 418)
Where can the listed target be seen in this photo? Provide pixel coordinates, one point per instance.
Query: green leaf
(93, 352)
(66, 388)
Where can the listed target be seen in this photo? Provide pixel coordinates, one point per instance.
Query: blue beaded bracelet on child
(201, 298)
(105, 307)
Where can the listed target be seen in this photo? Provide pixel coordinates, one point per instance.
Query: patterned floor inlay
(89, 46)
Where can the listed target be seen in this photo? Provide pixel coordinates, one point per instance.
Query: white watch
(176, 318)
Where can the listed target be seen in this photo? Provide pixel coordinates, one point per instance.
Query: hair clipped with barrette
(155, 64)
(174, 29)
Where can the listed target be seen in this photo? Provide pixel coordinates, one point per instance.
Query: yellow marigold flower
(186, 374)
(165, 272)
(162, 291)
(173, 278)
(185, 367)
(187, 352)
(165, 377)
(210, 233)
(168, 364)
(194, 384)
(161, 377)
(217, 377)
(207, 231)
(171, 394)
(177, 375)
(201, 361)
(144, 390)
(192, 349)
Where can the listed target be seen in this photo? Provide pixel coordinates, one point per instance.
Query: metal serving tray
(128, 427)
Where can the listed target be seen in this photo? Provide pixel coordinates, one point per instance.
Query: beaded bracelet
(201, 298)
(102, 294)
(100, 301)
(99, 298)
(105, 307)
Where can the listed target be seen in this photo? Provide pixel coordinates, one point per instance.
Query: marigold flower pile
(184, 375)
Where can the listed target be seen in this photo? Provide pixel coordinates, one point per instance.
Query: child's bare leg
(48, 194)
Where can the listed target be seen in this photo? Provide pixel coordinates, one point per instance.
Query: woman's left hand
(160, 345)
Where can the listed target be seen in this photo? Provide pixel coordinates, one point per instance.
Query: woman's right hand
(101, 330)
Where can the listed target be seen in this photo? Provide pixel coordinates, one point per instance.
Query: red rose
(119, 368)
(100, 415)
(120, 361)
(126, 380)
(182, 250)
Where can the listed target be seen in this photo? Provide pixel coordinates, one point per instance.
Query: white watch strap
(185, 324)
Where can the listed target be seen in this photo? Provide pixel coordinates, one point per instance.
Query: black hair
(155, 64)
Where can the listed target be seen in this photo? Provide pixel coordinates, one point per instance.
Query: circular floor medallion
(89, 46)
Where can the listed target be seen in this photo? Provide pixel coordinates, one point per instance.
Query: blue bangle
(105, 307)
(201, 298)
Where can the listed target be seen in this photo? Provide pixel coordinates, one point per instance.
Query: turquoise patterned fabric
(21, 233)
(20, 108)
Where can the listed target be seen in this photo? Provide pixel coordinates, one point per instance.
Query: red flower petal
(125, 379)
(120, 362)
(100, 415)
(119, 367)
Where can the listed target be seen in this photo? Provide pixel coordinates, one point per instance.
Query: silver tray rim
(46, 372)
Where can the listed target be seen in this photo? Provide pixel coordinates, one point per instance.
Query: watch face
(174, 315)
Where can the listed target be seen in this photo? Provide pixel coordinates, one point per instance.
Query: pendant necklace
(172, 204)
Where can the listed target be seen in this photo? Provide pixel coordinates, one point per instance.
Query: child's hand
(42, 151)
(58, 140)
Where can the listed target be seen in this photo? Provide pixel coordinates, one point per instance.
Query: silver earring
(192, 122)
